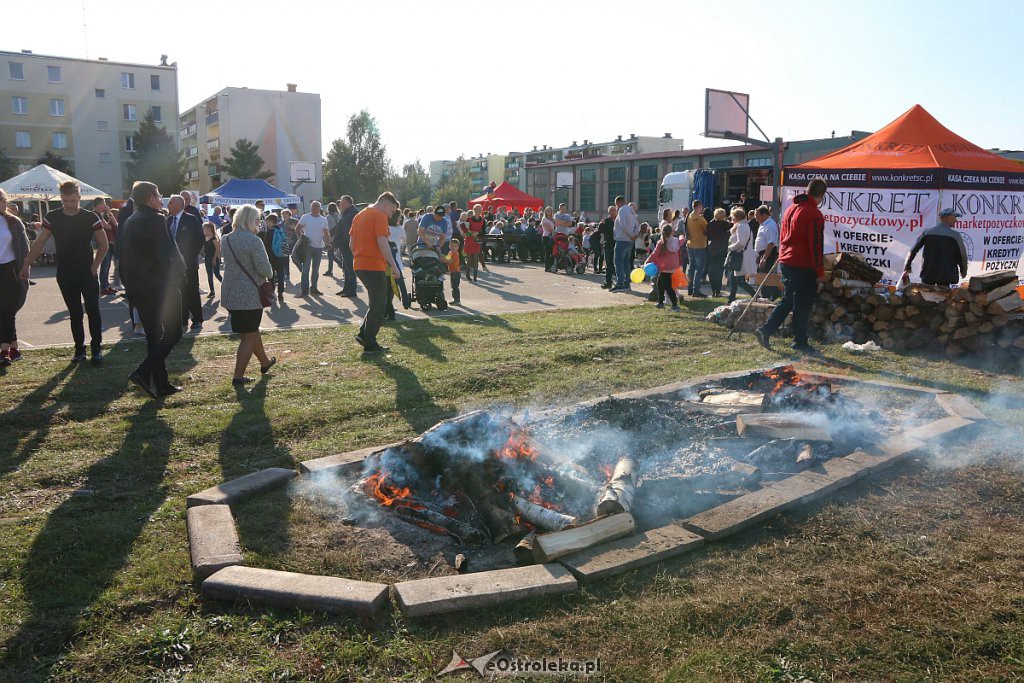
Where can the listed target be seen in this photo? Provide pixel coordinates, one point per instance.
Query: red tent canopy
(510, 196)
(914, 140)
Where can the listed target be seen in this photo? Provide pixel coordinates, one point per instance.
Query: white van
(676, 191)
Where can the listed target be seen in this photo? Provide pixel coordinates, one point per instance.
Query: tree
(8, 169)
(156, 158)
(412, 187)
(245, 161)
(358, 165)
(454, 188)
(56, 162)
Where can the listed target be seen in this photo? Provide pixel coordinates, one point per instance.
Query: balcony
(213, 144)
(193, 175)
(212, 170)
(212, 119)
(192, 152)
(188, 130)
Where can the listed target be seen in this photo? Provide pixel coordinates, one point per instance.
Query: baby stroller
(427, 277)
(564, 259)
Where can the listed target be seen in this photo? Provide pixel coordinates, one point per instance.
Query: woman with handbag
(245, 290)
(13, 290)
(741, 261)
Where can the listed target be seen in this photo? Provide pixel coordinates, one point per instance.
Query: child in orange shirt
(454, 270)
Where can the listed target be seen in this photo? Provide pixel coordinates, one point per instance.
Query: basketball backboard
(725, 112)
(564, 179)
(303, 171)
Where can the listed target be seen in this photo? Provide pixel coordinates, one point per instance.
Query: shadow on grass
(415, 404)
(419, 336)
(85, 542)
(248, 444)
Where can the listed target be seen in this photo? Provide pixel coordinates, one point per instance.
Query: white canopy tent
(42, 183)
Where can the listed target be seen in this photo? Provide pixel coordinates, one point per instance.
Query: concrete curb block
(212, 539)
(241, 488)
(939, 428)
(958, 406)
(300, 591)
(749, 509)
(440, 595)
(631, 552)
(350, 462)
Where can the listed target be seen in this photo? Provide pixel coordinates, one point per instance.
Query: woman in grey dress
(246, 266)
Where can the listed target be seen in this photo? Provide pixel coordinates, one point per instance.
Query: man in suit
(152, 272)
(187, 232)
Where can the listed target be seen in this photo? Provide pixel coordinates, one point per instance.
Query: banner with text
(881, 225)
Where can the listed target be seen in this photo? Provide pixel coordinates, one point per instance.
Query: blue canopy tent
(238, 191)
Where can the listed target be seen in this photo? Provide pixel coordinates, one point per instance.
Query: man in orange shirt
(371, 254)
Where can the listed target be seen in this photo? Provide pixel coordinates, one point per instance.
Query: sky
(446, 78)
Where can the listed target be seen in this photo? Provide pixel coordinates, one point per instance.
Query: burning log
(502, 524)
(439, 522)
(524, 549)
(539, 516)
(551, 546)
(617, 495)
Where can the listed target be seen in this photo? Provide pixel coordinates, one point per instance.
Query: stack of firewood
(851, 305)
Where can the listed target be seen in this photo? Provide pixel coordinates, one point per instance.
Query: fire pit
(536, 502)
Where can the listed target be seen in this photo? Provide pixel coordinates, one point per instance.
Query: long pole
(752, 299)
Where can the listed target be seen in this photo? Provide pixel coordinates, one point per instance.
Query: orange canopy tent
(885, 189)
(508, 195)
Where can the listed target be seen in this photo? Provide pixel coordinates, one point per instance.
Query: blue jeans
(623, 257)
(698, 266)
(105, 269)
(313, 257)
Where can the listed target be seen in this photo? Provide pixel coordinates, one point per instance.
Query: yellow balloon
(637, 276)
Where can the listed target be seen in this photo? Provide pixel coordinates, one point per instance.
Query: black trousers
(10, 295)
(191, 304)
(800, 289)
(280, 266)
(768, 292)
(348, 270)
(330, 260)
(609, 262)
(548, 256)
(716, 265)
(82, 291)
(665, 287)
(377, 287)
(161, 318)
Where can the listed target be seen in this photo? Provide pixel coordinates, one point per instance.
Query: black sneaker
(806, 349)
(362, 342)
(762, 338)
(606, 285)
(168, 390)
(97, 357)
(376, 349)
(79, 356)
(142, 383)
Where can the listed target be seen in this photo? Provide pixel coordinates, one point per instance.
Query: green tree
(8, 169)
(412, 187)
(156, 158)
(454, 188)
(56, 162)
(245, 161)
(358, 165)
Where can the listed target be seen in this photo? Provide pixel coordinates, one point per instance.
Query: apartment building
(84, 110)
(285, 125)
(482, 170)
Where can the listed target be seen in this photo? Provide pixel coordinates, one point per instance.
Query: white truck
(676, 191)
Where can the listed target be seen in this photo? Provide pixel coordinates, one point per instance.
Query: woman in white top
(741, 241)
(547, 229)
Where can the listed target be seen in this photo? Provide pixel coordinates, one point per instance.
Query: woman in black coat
(13, 289)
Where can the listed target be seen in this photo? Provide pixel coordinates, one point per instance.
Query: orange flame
(607, 471)
(377, 486)
(518, 447)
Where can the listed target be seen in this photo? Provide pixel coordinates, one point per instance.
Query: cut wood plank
(547, 547)
(749, 509)
(733, 398)
(631, 552)
(1007, 304)
(985, 298)
(782, 426)
(990, 281)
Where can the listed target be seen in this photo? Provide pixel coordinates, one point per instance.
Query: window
(157, 113)
(192, 152)
(759, 162)
(53, 74)
(22, 139)
(56, 107)
(618, 173)
(129, 143)
(616, 183)
(130, 113)
(682, 166)
(154, 82)
(647, 196)
(17, 71)
(588, 175)
(102, 126)
(588, 196)
(19, 104)
(101, 93)
(720, 163)
(127, 80)
(104, 157)
(60, 140)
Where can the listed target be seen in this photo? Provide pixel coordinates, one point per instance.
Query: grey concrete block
(425, 597)
(958, 406)
(212, 539)
(631, 552)
(299, 591)
(346, 463)
(939, 428)
(831, 475)
(878, 383)
(751, 508)
(241, 488)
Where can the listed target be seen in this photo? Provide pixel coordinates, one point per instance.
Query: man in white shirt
(627, 227)
(313, 227)
(767, 247)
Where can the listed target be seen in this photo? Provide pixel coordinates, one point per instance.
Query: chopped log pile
(988, 314)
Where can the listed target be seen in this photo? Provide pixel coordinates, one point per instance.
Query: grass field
(918, 575)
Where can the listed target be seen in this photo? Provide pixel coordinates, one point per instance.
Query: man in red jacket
(802, 263)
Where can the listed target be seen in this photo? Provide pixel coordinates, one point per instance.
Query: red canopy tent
(507, 195)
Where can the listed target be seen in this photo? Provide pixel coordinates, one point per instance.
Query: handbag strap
(235, 256)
